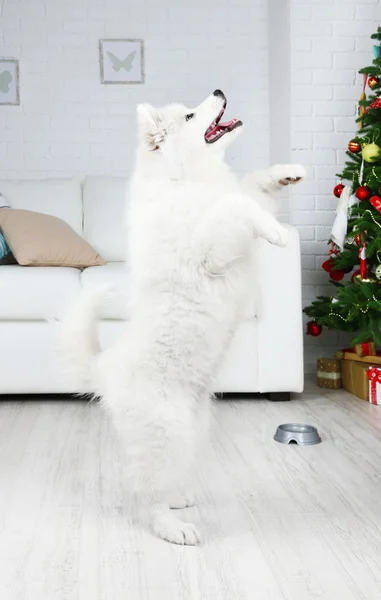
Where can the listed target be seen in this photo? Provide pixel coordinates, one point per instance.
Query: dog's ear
(147, 115)
(151, 122)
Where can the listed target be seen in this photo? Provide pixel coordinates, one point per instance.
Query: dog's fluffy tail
(78, 337)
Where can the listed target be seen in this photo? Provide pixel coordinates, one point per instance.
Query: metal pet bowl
(303, 435)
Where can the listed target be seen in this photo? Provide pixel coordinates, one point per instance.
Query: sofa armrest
(279, 316)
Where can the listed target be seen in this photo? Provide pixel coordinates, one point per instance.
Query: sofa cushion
(39, 239)
(36, 293)
(115, 276)
(104, 207)
(3, 202)
(58, 197)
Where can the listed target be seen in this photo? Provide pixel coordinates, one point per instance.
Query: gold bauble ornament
(373, 81)
(371, 153)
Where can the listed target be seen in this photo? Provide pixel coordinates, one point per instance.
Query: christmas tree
(355, 250)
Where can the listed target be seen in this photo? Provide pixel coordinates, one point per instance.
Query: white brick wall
(68, 123)
(329, 43)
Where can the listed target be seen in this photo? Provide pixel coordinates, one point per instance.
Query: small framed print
(9, 82)
(121, 61)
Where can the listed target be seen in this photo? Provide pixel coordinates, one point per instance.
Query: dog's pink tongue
(213, 131)
(227, 123)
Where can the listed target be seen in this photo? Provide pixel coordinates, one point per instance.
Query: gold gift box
(329, 373)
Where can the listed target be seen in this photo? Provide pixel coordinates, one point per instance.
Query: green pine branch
(355, 306)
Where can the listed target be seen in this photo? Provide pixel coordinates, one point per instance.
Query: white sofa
(265, 356)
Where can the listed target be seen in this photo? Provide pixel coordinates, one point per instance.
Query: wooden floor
(280, 522)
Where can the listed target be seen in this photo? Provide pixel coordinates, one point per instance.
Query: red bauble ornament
(336, 275)
(347, 270)
(338, 189)
(354, 146)
(354, 276)
(363, 192)
(327, 265)
(373, 81)
(314, 328)
(376, 202)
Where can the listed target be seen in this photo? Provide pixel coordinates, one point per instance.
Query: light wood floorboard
(280, 522)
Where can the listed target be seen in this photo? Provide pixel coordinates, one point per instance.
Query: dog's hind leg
(153, 508)
(177, 495)
(159, 441)
(161, 519)
(183, 496)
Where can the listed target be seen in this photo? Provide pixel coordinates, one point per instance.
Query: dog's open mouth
(217, 129)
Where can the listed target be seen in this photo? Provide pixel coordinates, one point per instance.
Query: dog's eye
(189, 116)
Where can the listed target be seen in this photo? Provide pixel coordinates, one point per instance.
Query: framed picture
(122, 61)
(9, 81)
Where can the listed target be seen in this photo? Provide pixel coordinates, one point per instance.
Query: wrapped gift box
(349, 354)
(355, 378)
(374, 376)
(328, 373)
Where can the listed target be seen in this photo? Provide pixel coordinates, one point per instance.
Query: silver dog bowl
(303, 435)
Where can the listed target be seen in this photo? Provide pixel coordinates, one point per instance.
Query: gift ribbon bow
(374, 376)
(366, 349)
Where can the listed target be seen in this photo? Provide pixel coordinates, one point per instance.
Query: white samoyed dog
(192, 228)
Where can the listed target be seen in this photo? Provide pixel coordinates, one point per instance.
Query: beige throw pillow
(42, 240)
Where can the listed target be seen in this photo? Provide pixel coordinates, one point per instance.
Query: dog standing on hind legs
(192, 227)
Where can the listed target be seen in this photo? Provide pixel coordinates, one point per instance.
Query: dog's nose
(218, 93)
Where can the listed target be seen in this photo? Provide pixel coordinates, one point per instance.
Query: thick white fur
(191, 235)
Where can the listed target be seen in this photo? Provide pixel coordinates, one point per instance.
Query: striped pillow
(4, 248)
(6, 256)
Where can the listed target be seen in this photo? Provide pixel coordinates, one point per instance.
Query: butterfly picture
(121, 61)
(9, 81)
(5, 81)
(118, 64)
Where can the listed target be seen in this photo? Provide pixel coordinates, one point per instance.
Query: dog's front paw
(278, 236)
(288, 174)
